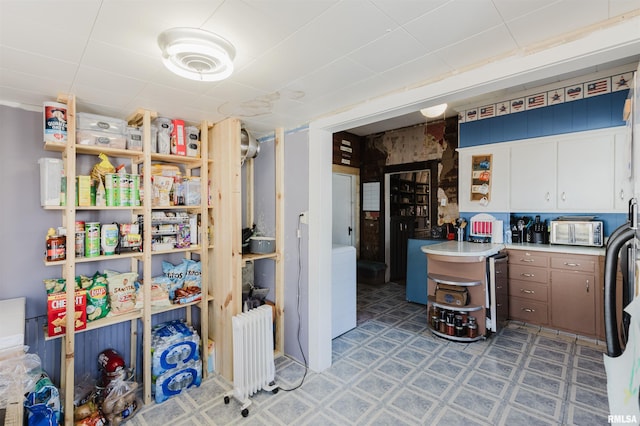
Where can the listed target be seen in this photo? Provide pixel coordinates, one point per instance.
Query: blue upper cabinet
(592, 113)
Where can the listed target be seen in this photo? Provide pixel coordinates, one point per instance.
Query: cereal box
(178, 144)
(57, 312)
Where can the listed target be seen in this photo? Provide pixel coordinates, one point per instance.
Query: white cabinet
(585, 173)
(577, 172)
(623, 191)
(533, 176)
(498, 201)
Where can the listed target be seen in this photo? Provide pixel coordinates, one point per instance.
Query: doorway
(411, 209)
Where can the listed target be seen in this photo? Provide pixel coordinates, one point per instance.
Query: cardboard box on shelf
(57, 312)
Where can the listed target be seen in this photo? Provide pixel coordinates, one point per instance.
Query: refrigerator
(621, 297)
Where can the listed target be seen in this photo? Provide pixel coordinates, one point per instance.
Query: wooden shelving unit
(225, 258)
(141, 262)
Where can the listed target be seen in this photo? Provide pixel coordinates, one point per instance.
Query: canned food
(472, 330)
(56, 248)
(450, 328)
(92, 239)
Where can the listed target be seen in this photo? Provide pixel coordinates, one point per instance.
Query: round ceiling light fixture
(196, 54)
(434, 111)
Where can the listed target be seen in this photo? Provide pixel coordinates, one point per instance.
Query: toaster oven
(577, 232)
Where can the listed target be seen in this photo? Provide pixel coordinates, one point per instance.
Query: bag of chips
(122, 291)
(98, 297)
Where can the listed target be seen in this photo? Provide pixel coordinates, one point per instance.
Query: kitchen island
(459, 289)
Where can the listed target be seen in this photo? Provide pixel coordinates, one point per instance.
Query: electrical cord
(304, 358)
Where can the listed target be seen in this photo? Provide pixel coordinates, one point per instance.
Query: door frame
(432, 166)
(355, 173)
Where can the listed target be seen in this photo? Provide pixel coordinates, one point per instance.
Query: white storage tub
(108, 140)
(100, 123)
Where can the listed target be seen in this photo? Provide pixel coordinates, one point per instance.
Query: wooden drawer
(523, 257)
(584, 264)
(528, 290)
(529, 311)
(528, 273)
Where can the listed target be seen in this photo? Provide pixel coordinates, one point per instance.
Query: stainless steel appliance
(576, 232)
(622, 328)
(621, 301)
(497, 279)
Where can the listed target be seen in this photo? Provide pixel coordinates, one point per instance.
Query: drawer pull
(528, 275)
(571, 264)
(527, 260)
(522, 290)
(528, 310)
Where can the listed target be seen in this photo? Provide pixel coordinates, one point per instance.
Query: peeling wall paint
(435, 141)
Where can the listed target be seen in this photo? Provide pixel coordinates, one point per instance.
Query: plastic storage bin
(101, 123)
(50, 181)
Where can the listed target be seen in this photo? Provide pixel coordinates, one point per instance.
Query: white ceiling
(296, 61)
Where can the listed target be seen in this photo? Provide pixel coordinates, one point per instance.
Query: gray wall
(26, 223)
(296, 200)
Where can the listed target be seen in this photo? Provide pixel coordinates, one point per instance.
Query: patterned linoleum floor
(390, 370)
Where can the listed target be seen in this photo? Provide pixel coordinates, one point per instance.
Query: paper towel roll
(497, 232)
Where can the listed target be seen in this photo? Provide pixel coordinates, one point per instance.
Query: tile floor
(390, 370)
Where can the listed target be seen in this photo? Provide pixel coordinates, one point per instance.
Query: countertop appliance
(343, 289)
(577, 232)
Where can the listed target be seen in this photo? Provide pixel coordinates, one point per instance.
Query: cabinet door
(533, 176)
(623, 191)
(573, 302)
(585, 173)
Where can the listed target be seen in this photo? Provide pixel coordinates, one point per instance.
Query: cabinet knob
(527, 260)
(523, 290)
(528, 275)
(528, 310)
(564, 196)
(571, 264)
(547, 196)
(622, 194)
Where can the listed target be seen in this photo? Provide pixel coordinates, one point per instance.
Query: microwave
(577, 233)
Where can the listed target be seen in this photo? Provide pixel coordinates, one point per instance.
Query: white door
(343, 209)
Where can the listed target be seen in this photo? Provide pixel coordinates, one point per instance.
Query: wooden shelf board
(103, 322)
(449, 279)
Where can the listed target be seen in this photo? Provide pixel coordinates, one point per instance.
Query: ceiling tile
(129, 63)
(330, 77)
(37, 65)
(407, 10)
(562, 17)
(30, 83)
(482, 47)
(347, 26)
(455, 21)
(510, 9)
(42, 27)
(389, 51)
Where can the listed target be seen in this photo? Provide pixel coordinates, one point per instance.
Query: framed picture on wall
(481, 178)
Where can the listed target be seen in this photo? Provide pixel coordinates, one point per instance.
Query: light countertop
(455, 248)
